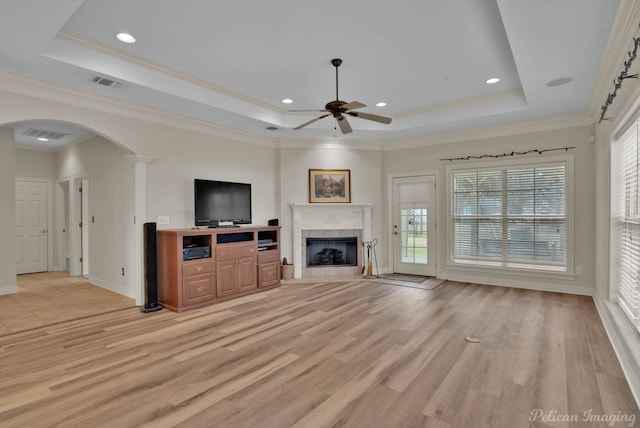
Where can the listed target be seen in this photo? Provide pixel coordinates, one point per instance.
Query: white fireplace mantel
(327, 217)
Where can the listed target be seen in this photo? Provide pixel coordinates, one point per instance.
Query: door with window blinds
(626, 223)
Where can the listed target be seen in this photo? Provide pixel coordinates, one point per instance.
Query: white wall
(620, 113)
(184, 155)
(365, 166)
(428, 159)
(183, 149)
(110, 192)
(35, 164)
(7, 212)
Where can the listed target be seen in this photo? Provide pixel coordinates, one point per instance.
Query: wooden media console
(197, 267)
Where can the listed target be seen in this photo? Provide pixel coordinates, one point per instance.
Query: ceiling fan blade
(300, 111)
(369, 116)
(353, 105)
(344, 125)
(311, 121)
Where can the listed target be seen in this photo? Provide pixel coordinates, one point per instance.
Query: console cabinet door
(269, 274)
(226, 278)
(246, 274)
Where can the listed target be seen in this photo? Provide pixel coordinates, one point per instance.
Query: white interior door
(413, 232)
(31, 226)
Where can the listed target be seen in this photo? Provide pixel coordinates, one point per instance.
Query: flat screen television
(221, 203)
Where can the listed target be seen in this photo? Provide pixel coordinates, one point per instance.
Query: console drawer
(235, 251)
(268, 256)
(198, 289)
(197, 268)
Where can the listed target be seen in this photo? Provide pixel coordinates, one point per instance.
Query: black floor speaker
(150, 269)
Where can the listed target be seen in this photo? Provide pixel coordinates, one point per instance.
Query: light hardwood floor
(321, 354)
(51, 297)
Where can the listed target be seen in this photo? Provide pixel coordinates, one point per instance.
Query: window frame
(619, 220)
(505, 164)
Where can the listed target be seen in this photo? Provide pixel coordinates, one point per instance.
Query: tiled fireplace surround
(328, 221)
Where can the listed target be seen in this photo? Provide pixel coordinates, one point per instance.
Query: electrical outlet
(163, 219)
(578, 270)
(122, 271)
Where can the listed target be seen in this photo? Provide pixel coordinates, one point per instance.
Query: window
(513, 216)
(626, 223)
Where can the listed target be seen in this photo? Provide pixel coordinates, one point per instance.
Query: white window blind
(627, 223)
(510, 217)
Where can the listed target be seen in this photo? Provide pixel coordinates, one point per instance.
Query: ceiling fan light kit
(339, 108)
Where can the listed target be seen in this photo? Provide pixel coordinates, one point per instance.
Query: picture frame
(330, 186)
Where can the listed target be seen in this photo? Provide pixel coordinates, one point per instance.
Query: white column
(140, 215)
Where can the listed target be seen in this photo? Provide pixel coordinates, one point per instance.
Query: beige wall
(7, 212)
(110, 175)
(428, 159)
(366, 181)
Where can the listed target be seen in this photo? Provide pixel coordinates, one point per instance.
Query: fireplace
(329, 221)
(333, 251)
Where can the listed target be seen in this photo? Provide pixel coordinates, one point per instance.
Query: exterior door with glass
(414, 231)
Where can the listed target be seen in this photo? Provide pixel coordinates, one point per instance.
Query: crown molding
(624, 29)
(293, 143)
(141, 159)
(36, 149)
(515, 128)
(38, 89)
(34, 88)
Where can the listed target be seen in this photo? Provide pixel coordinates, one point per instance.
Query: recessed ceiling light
(287, 101)
(125, 38)
(43, 139)
(381, 104)
(559, 82)
(492, 80)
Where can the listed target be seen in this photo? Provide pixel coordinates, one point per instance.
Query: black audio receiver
(194, 253)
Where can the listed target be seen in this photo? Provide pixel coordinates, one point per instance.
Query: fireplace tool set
(371, 252)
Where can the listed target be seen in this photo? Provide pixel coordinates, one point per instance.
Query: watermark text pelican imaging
(589, 415)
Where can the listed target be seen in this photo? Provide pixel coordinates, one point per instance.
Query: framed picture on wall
(330, 185)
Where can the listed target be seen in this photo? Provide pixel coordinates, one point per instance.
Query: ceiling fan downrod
(336, 63)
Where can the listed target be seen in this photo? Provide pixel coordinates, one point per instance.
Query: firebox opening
(323, 252)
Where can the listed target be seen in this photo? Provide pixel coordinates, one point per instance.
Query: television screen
(219, 202)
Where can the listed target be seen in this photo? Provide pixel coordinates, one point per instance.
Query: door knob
(43, 231)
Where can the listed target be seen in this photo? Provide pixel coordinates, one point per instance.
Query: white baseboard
(8, 289)
(120, 289)
(625, 341)
(541, 285)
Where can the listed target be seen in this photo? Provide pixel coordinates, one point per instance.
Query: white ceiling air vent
(40, 133)
(104, 81)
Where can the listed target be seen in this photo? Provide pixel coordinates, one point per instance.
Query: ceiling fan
(338, 109)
